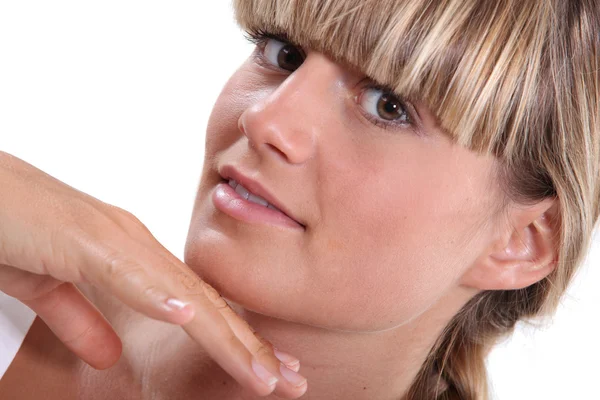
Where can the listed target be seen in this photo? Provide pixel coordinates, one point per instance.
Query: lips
(246, 194)
(253, 191)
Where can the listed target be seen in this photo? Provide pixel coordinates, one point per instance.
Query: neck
(357, 365)
(347, 364)
(354, 365)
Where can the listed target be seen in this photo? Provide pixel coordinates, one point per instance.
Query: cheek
(397, 240)
(242, 90)
(382, 268)
(222, 130)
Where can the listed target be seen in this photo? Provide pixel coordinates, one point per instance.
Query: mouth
(251, 197)
(247, 200)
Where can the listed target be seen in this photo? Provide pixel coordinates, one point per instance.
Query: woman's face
(384, 213)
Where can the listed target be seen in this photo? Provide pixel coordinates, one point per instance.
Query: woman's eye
(384, 105)
(283, 55)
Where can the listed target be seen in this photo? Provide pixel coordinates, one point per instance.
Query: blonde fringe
(517, 79)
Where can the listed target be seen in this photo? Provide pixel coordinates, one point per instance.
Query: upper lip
(228, 172)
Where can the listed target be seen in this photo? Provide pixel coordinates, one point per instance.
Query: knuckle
(214, 296)
(190, 282)
(122, 269)
(60, 261)
(186, 282)
(125, 213)
(132, 218)
(129, 218)
(124, 219)
(264, 342)
(262, 350)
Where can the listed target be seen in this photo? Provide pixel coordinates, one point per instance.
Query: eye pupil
(289, 58)
(390, 108)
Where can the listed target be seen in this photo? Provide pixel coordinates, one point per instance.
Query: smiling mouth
(251, 197)
(238, 202)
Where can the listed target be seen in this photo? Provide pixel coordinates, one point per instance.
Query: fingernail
(180, 307)
(291, 376)
(176, 305)
(290, 361)
(263, 374)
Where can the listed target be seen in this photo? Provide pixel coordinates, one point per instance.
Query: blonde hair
(516, 79)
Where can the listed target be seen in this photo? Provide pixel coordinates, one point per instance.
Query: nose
(285, 122)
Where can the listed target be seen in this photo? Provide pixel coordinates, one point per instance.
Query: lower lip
(227, 200)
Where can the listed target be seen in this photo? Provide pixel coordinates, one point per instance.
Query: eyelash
(260, 38)
(380, 122)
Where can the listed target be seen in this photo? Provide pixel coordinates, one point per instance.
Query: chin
(252, 265)
(235, 268)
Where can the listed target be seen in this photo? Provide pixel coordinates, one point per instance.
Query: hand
(53, 236)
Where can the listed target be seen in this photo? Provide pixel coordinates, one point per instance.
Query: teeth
(258, 200)
(242, 191)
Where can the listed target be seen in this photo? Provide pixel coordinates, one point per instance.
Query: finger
(243, 330)
(73, 319)
(290, 361)
(290, 384)
(214, 334)
(173, 293)
(147, 283)
(25, 285)
(79, 325)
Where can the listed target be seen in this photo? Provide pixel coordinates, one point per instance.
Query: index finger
(292, 385)
(212, 331)
(162, 287)
(236, 330)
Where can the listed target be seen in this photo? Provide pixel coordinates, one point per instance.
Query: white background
(113, 97)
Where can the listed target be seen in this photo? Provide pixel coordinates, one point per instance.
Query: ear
(525, 252)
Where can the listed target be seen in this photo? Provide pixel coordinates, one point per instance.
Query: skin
(390, 213)
(401, 229)
(402, 226)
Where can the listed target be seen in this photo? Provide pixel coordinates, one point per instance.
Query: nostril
(276, 150)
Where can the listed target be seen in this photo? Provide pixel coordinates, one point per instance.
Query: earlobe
(524, 255)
